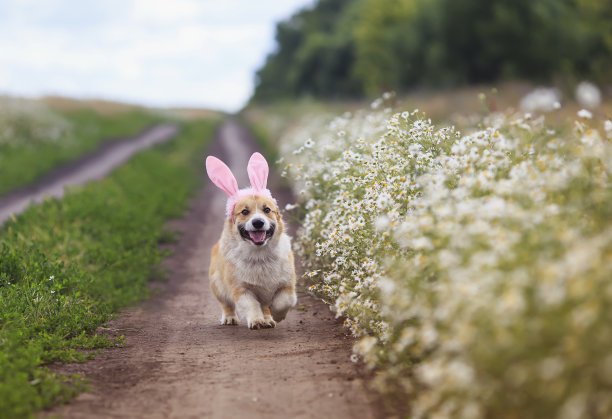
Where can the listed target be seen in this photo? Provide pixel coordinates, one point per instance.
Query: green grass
(33, 149)
(67, 265)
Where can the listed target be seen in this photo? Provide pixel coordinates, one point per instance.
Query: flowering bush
(475, 269)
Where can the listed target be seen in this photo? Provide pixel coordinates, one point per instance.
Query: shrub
(475, 269)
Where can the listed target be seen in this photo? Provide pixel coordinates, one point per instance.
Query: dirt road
(92, 167)
(179, 362)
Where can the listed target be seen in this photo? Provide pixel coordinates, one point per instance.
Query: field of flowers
(474, 267)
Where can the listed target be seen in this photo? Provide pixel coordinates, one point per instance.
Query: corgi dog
(251, 266)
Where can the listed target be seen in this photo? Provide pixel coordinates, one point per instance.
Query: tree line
(357, 48)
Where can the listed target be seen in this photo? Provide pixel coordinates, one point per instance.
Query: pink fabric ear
(221, 175)
(258, 172)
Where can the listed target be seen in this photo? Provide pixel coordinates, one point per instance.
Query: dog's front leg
(268, 316)
(250, 308)
(284, 299)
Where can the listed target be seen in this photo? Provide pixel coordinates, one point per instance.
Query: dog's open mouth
(258, 237)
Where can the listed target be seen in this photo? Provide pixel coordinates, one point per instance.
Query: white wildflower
(608, 128)
(583, 113)
(382, 223)
(541, 99)
(588, 95)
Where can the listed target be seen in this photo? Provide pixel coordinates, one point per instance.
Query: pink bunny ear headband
(222, 176)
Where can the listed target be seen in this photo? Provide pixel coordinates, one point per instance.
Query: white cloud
(158, 52)
(163, 11)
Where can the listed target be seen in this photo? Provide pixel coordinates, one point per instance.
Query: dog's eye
(245, 212)
(267, 210)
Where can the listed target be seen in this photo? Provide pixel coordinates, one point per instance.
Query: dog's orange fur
(259, 280)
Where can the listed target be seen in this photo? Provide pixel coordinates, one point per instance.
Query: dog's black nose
(257, 223)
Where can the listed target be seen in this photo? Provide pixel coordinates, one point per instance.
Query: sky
(195, 53)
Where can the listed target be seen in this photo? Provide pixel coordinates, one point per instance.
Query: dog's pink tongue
(257, 236)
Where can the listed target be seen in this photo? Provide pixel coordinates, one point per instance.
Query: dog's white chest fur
(263, 269)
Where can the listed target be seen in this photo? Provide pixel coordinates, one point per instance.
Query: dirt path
(92, 167)
(179, 362)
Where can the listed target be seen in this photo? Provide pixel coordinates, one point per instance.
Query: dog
(251, 266)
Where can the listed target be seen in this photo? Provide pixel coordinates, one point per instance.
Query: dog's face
(257, 220)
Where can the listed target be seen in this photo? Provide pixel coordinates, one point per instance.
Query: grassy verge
(35, 138)
(67, 265)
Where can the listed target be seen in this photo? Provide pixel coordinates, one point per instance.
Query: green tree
(348, 48)
(489, 40)
(595, 32)
(389, 40)
(315, 54)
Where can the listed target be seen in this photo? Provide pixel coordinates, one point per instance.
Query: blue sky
(156, 52)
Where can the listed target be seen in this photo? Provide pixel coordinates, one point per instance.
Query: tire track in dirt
(91, 167)
(179, 362)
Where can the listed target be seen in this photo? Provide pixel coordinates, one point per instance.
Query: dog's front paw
(229, 320)
(269, 321)
(259, 323)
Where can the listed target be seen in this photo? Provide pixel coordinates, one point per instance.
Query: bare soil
(179, 362)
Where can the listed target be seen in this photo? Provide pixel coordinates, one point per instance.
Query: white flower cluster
(588, 95)
(541, 99)
(475, 269)
(29, 123)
